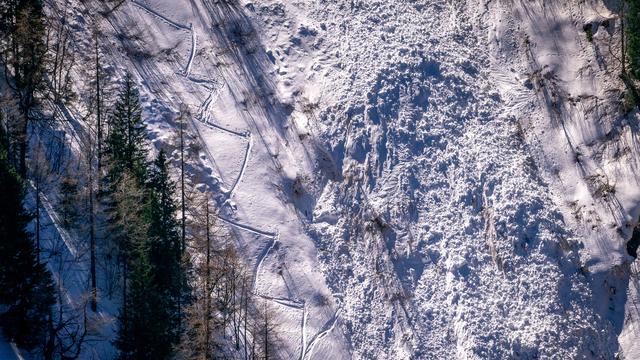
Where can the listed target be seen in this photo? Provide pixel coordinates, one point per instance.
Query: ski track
(76, 126)
(261, 260)
(212, 125)
(209, 84)
(244, 167)
(321, 335)
(304, 330)
(284, 301)
(160, 16)
(187, 70)
(204, 118)
(58, 280)
(249, 228)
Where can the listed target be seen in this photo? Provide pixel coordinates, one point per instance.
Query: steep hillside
(405, 179)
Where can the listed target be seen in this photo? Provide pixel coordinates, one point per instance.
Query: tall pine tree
(127, 139)
(123, 194)
(165, 244)
(143, 326)
(130, 229)
(150, 321)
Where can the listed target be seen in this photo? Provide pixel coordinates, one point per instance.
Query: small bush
(588, 30)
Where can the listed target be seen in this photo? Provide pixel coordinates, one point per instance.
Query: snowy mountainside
(401, 177)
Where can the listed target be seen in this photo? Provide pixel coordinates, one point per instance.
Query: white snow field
(422, 179)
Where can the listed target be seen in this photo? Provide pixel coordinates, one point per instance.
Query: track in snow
(192, 54)
(248, 228)
(205, 118)
(264, 254)
(242, 170)
(284, 301)
(321, 335)
(160, 16)
(16, 351)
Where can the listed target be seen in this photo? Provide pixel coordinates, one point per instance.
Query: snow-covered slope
(406, 179)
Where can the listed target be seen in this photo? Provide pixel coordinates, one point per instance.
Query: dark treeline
(26, 286)
(151, 245)
(630, 51)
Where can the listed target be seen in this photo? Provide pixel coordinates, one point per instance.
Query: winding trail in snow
(243, 168)
(327, 328)
(204, 117)
(192, 53)
(212, 125)
(160, 16)
(283, 301)
(248, 228)
(264, 254)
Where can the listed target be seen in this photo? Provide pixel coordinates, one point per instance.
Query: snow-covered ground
(8, 351)
(406, 179)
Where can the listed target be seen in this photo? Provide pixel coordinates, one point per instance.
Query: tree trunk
(92, 244)
(37, 178)
(622, 37)
(183, 225)
(23, 146)
(207, 290)
(94, 282)
(98, 107)
(246, 300)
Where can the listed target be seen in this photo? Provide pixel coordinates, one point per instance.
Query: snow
(8, 350)
(402, 176)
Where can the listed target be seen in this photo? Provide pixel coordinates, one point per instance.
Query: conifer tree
(129, 229)
(26, 289)
(149, 321)
(126, 153)
(127, 139)
(165, 250)
(142, 325)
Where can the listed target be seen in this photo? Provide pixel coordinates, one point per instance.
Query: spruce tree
(26, 289)
(143, 327)
(149, 325)
(127, 139)
(165, 250)
(125, 159)
(129, 229)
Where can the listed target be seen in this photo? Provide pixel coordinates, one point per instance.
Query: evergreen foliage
(632, 30)
(165, 251)
(127, 139)
(26, 289)
(150, 321)
(142, 331)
